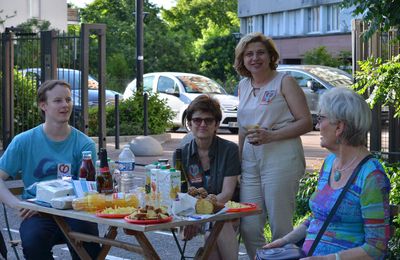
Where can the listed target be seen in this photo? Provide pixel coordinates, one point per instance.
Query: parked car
(314, 80)
(73, 77)
(179, 89)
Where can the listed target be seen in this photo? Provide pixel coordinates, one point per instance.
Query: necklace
(337, 174)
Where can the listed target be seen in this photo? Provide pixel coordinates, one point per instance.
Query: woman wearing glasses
(360, 227)
(272, 115)
(213, 163)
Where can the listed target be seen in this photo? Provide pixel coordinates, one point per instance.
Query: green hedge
(131, 116)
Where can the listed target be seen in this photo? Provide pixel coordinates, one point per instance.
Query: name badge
(64, 171)
(268, 96)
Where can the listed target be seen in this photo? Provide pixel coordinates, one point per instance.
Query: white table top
(124, 224)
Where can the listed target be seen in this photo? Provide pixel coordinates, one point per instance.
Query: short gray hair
(343, 104)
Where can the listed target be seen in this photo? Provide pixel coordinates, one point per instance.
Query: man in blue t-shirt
(43, 153)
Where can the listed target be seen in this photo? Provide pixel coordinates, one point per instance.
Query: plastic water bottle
(126, 165)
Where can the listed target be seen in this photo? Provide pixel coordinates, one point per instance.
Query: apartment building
(15, 12)
(298, 26)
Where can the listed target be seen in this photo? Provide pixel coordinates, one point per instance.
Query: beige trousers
(270, 178)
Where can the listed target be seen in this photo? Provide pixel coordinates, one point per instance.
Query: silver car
(314, 80)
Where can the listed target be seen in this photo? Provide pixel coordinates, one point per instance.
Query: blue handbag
(287, 252)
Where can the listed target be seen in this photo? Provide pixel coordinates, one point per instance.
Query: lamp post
(140, 61)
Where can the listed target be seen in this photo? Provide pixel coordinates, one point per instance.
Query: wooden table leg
(78, 246)
(111, 234)
(211, 241)
(148, 249)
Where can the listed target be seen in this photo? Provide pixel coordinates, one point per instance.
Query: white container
(168, 184)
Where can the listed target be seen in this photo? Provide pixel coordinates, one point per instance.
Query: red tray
(148, 222)
(250, 207)
(103, 215)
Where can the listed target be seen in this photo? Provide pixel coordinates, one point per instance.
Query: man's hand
(190, 231)
(27, 213)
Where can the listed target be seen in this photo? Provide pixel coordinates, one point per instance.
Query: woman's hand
(260, 136)
(190, 231)
(27, 213)
(277, 243)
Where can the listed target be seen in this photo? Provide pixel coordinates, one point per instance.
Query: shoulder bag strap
(337, 203)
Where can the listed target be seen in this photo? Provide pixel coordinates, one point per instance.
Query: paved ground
(162, 241)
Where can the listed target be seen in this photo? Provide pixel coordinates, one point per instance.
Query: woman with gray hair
(360, 226)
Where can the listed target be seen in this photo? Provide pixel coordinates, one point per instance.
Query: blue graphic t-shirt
(40, 159)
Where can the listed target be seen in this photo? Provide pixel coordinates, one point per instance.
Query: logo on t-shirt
(46, 167)
(195, 176)
(268, 96)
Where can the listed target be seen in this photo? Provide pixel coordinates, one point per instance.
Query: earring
(338, 141)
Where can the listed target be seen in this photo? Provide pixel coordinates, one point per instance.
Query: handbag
(292, 251)
(287, 252)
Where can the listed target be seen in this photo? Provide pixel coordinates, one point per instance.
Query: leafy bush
(393, 171)
(131, 116)
(26, 111)
(306, 188)
(381, 80)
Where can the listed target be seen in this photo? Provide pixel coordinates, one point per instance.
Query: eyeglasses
(198, 120)
(320, 118)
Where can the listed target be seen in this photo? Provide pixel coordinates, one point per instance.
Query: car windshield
(334, 77)
(198, 84)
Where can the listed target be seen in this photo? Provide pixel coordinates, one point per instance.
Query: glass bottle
(104, 181)
(179, 167)
(87, 170)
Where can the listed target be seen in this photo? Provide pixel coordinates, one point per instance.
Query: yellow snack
(204, 206)
(234, 205)
(118, 210)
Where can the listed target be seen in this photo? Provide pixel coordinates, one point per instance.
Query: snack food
(208, 205)
(148, 213)
(235, 205)
(118, 210)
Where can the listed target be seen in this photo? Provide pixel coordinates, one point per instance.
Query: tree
(163, 49)
(208, 24)
(320, 56)
(382, 80)
(380, 15)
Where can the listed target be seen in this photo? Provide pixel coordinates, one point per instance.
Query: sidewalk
(170, 141)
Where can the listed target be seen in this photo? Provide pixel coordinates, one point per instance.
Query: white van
(179, 89)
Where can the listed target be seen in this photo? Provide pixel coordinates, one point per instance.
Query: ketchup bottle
(87, 170)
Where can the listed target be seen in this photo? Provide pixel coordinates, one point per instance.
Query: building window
(249, 22)
(332, 17)
(34, 8)
(293, 18)
(313, 19)
(277, 24)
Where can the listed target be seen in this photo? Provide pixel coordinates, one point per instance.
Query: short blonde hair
(47, 86)
(242, 45)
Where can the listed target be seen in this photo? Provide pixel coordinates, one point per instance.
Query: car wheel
(234, 130)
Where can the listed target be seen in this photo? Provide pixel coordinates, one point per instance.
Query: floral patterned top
(362, 218)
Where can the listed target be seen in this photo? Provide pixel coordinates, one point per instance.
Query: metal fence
(27, 59)
(384, 137)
